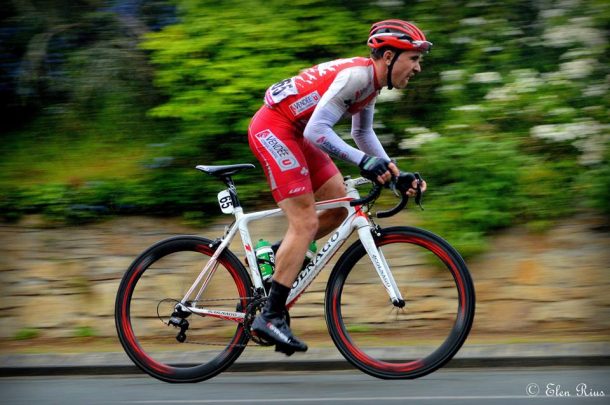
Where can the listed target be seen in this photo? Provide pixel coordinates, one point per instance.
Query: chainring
(252, 310)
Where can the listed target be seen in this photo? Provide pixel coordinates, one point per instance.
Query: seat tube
(380, 263)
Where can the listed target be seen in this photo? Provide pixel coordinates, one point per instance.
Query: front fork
(381, 265)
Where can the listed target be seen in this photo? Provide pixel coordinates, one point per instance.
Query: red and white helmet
(398, 34)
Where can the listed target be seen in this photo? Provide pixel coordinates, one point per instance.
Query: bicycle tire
(150, 289)
(432, 328)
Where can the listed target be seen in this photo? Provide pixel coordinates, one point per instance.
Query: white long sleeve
(364, 135)
(332, 107)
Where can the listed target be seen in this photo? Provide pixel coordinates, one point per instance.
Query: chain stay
(255, 305)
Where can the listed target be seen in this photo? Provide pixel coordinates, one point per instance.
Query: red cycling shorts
(292, 164)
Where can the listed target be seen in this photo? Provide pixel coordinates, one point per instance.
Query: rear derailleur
(178, 320)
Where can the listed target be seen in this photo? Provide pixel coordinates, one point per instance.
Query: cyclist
(292, 136)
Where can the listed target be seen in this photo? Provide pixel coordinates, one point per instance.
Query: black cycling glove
(371, 167)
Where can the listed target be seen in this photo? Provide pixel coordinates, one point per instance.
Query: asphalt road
(481, 386)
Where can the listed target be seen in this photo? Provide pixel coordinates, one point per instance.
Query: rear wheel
(190, 347)
(401, 340)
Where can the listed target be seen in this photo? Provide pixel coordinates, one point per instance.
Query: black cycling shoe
(278, 331)
(283, 349)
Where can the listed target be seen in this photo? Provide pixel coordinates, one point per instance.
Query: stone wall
(57, 280)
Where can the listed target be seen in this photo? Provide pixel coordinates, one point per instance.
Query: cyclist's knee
(301, 214)
(306, 224)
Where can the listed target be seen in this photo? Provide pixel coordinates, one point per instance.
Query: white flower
(511, 32)
(553, 12)
(493, 49)
(418, 140)
(576, 53)
(578, 69)
(450, 87)
(417, 130)
(388, 95)
(578, 30)
(453, 75)
(563, 111)
(527, 81)
(469, 107)
(555, 78)
(473, 21)
(389, 3)
(486, 77)
(457, 126)
(524, 73)
(567, 132)
(593, 148)
(460, 40)
(501, 94)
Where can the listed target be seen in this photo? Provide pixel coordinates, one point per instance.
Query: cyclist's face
(407, 65)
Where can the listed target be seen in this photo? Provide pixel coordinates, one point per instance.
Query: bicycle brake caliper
(376, 231)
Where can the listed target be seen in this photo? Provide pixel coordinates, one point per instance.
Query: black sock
(276, 302)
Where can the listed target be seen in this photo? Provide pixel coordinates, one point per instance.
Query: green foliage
(473, 194)
(27, 334)
(508, 120)
(598, 181)
(84, 332)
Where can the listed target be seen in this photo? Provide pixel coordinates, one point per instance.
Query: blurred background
(108, 105)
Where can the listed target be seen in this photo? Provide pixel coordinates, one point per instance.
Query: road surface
(480, 386)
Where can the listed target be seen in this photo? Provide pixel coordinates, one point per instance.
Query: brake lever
(419, 196)
(392, 186)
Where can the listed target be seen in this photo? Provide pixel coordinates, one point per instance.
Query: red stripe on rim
(412, 365)
(365, 358)
(133, 342)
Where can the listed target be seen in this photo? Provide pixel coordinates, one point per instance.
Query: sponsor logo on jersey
(284, 158)
(296, 190)
(328, 147)
(305, 103)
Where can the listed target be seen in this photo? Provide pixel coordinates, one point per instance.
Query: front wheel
(391, 340)
(173, 343)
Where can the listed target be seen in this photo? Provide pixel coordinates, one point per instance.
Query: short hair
(377, 53)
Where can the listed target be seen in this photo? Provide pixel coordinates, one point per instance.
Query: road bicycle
(399, 302)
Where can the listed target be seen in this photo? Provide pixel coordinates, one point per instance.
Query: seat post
(228, 180)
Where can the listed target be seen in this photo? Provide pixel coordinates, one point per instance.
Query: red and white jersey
(298, 96)
(317, 98)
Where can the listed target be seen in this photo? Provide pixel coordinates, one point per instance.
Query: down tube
(311, 271)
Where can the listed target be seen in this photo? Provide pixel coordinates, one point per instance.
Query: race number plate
(226, 204)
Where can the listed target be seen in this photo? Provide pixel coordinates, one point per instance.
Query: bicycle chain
(255, 305)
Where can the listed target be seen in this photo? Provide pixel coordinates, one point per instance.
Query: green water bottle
(311, 253)
(265, 258)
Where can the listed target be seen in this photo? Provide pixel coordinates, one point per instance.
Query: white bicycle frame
(356, 219)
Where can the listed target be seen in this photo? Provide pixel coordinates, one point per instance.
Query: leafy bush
(473, 188)
(508, 120)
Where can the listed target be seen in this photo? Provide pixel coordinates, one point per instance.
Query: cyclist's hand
(394, 169)
(376, 169)
(412, 192)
